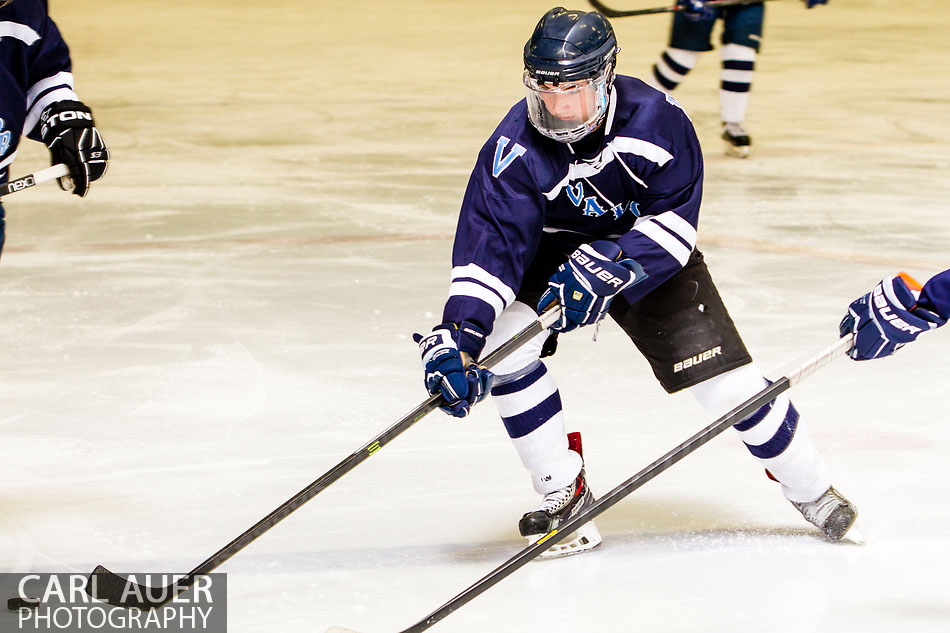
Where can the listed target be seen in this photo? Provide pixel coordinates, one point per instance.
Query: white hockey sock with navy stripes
(671, 68)
(530, 407)
(774, 434)
(738, 68)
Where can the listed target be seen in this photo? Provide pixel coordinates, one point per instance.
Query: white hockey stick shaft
(31, 180)
(837, 350)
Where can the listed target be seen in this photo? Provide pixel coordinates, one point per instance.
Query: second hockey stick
(614, 13)
(663, 463)
(31, 180)
(114, 589)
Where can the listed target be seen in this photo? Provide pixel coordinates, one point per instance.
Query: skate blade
(586, 538)
(741, 151)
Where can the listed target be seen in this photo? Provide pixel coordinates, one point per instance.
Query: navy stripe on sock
(734, 86)
(522, 383)
(782, 438)
(756, 417)
(677, 68)
(735, 64)
(663, 81)
(523, 423)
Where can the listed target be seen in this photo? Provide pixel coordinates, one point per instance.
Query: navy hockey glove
(697, 10)
(886, 319)
(585, 285)
(70, 134)
(811, 3)
(448, 357)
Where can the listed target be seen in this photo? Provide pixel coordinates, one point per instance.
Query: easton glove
(585, 285)
(70, 134)
(450, 369)
(697, 10)
(886, 319)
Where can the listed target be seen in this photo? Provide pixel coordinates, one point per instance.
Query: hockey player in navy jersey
(37, 99)
(587, 195)
(894, 313)
(690, 35)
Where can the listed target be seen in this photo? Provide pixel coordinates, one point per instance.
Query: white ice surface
(228, 314)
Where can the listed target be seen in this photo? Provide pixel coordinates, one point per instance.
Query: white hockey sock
(738, 67)
(512, 320)
(774, 434)
(671, 68)
(530, 407)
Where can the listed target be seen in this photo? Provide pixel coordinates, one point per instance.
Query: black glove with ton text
(70, 133)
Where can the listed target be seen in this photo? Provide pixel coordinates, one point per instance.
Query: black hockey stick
(31, 180)
(111, 588)
(614, 13)
(601, 505)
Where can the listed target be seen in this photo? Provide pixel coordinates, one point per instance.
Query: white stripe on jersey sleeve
(678, 225)
(19, 31)
(477, 291)
(33, 116)
(59, 79)
(476, 272)
(658, 234)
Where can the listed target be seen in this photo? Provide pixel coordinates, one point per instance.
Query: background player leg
(738, 67)
(672, 67)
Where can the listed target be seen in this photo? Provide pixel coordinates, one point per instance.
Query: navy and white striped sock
(530, 407)
(674, 64)
(774, 434)
(738, 68)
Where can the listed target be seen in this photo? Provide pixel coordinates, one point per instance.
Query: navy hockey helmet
(569, 69)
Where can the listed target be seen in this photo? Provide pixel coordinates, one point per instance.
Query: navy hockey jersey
(34, 72)
(641, 187)
(935, 295)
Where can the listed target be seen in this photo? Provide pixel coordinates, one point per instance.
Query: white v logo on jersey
(501, 163)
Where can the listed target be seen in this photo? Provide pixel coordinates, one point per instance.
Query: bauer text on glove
(585, 285)
(886, 319)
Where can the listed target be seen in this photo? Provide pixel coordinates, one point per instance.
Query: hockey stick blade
(663, 463)
(115, 590)
(31, 180)
(614, 13)
(120, 592)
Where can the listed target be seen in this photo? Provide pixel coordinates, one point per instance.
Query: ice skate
(737, 140)
(556, 508)
(831, 513)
